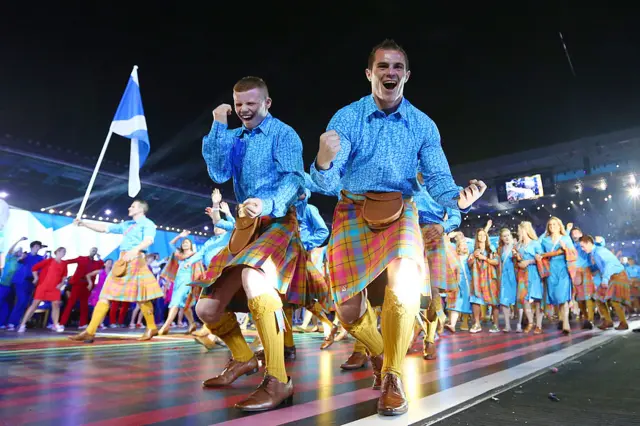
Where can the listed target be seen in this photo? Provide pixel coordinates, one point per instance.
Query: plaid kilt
(484, 282)
(618, 290)
(436, 258)
(278, 251)
(318, 259)
(635, 287)
(137, 285)
(584, 285)
(357, 255)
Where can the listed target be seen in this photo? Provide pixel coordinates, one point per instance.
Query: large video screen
(524, 188)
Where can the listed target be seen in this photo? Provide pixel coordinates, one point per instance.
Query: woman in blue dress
(181, 273)
(508, 283)
(558, 248)
(460, 304)
(530, 287)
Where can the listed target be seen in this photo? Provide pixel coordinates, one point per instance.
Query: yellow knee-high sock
(397, 330)
(583, 309)
(359, 347)
(147, 311)
(617, 307)
(99, 312)
(604, 311)
(483, 312)
(264, 308)
(365, 330)
(288, 334)
(590, 309)
(319, 313)
(228, 329)
(464, 326)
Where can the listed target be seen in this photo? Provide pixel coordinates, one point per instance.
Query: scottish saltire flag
(129, 122)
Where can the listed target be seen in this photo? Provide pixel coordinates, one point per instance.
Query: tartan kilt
(318, 259)
(279, 253)
(635, 287)
(137, 285)
(435, 257)
(358, 255)
(618, 290)
(584, 285)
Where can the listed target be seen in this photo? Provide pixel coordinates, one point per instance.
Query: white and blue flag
(129, 122)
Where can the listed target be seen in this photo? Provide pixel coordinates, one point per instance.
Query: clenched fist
(329, 148)
(471, 193)
(221, 113)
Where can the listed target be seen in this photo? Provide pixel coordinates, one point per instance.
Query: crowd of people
(393, 267)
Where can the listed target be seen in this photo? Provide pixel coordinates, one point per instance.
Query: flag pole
(93, 176)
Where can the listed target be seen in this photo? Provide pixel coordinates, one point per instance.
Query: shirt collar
(140, 219)
(263, 127)
(371, 108)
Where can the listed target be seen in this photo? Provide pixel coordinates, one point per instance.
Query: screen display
(524, 188)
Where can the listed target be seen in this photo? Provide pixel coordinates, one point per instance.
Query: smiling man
(264, 160)
(372, 149)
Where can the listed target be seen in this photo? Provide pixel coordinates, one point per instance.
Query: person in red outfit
(48, 277)
(80, 286)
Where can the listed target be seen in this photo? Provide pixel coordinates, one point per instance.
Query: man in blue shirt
(375, 145)
(264, 160)
(137, 283)
(615, 286)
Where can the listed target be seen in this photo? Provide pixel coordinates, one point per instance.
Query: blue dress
(181, 287)
(559, 281)
(508, 282)
(463, 304)
(534, 286)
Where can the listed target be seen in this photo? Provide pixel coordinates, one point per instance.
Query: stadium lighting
(107, 212)
(3, 194)
(52, 211)
(553, 206)
(634, 191)
(206, 228)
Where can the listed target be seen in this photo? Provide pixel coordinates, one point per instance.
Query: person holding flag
(130, 279)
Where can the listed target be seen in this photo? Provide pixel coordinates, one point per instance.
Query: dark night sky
(494, 80)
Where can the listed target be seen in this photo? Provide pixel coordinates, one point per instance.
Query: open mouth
(390, 85)
(246, 117)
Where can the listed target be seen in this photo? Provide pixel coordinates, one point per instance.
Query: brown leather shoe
(269, 395)
(83, 337)
(392, 402)
(605, 325)
(587, 325)
(149, 333)
(328, 341)
(528, 329)
(231, 372)
(356, 360)
(429, 351)
(376, 363)
(622, 326)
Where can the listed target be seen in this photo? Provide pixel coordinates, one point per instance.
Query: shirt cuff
(267, 206)
(313, 165)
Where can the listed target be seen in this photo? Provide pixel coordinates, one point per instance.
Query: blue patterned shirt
(583, 260)
(313, 187)
(607, 263)
(265, 163)
(381, 152)
(431, 212)
(134, 231)
(313, 229)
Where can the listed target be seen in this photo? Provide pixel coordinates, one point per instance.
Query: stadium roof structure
(576, 166)
(42, 177)
(39, 176)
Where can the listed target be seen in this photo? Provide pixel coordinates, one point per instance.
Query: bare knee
(208, 311)
(352, 310)
(406, 278)
(256, 283)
